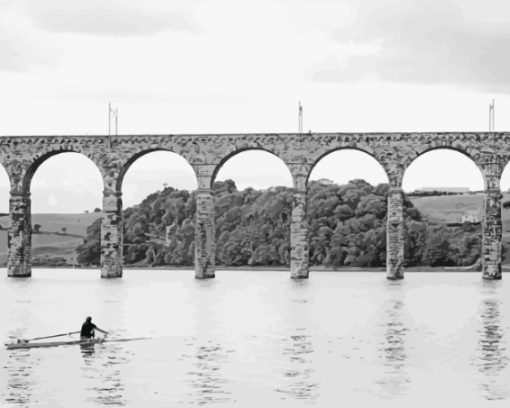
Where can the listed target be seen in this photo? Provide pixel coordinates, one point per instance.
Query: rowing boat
(26, 344)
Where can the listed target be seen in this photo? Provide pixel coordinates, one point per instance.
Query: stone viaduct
(22, 155)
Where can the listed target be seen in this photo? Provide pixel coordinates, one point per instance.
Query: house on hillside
(325, 181)
(470, 216)
(456, 190)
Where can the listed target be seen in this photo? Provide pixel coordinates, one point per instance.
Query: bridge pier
(19, 238)
(299, 236)
(205, 241)
(395, 235)
(491, 234)
(111, 235)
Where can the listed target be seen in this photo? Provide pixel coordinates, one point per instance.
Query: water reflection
(19, 368)
(206, 377)
(299, 374)
(392, 349)
(103, 368)
(492, 351)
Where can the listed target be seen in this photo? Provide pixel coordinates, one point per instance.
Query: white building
(470, 216)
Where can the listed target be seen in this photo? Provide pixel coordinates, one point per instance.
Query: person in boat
(88, 329)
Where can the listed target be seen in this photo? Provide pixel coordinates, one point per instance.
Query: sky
(207, 66)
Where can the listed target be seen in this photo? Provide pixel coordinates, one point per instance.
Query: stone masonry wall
(395, 235)
(19, 238)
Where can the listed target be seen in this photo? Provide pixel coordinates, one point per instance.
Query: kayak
(20, 344)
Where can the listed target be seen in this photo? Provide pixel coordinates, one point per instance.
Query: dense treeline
(347, 228)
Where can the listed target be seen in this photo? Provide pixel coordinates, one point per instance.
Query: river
(246, 339)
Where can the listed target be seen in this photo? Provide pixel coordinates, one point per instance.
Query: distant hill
(444, 189)
(447, 208)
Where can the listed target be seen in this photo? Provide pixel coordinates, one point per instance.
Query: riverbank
(506, 268)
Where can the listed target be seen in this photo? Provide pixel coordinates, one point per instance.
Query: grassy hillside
(76, 224)
(51, 242)
(449, 208)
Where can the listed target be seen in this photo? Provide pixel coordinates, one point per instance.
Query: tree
(438, 248)
(64, 230)
(37, 228)
(89, 253)
(97, 209)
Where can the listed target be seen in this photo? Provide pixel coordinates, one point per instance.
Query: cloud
(426, 42)
(107, 17)
(20, 47)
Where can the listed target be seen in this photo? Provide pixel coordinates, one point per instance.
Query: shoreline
(505, 268)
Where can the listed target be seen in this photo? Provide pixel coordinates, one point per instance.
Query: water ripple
(206, 377)
(19, 368)
(298, 377)
(103, 368)
(392, 349)
(492, 350)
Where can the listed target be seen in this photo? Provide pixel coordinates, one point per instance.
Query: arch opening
(253, 197)
(268, 170)
(339, 166)
(504, 186)
(152, 170)
(158, 194)
(445, 192)
(448, 169)
(66, 199)
(347, 202)
(504, 182)
(5, 187)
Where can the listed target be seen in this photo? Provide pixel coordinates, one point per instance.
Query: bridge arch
(220, 166)
(5, 187)
(348, 187)
(469, 160)
(23, 171)
(363, 154)
(35, 164)
(457, 172)
(504, 181)
(260, 235)
(65, 170)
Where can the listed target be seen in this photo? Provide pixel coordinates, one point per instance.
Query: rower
(88, 329)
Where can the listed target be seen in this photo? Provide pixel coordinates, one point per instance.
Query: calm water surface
(251, 338)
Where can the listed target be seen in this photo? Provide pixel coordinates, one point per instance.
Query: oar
(122, 340)
(50, 337)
